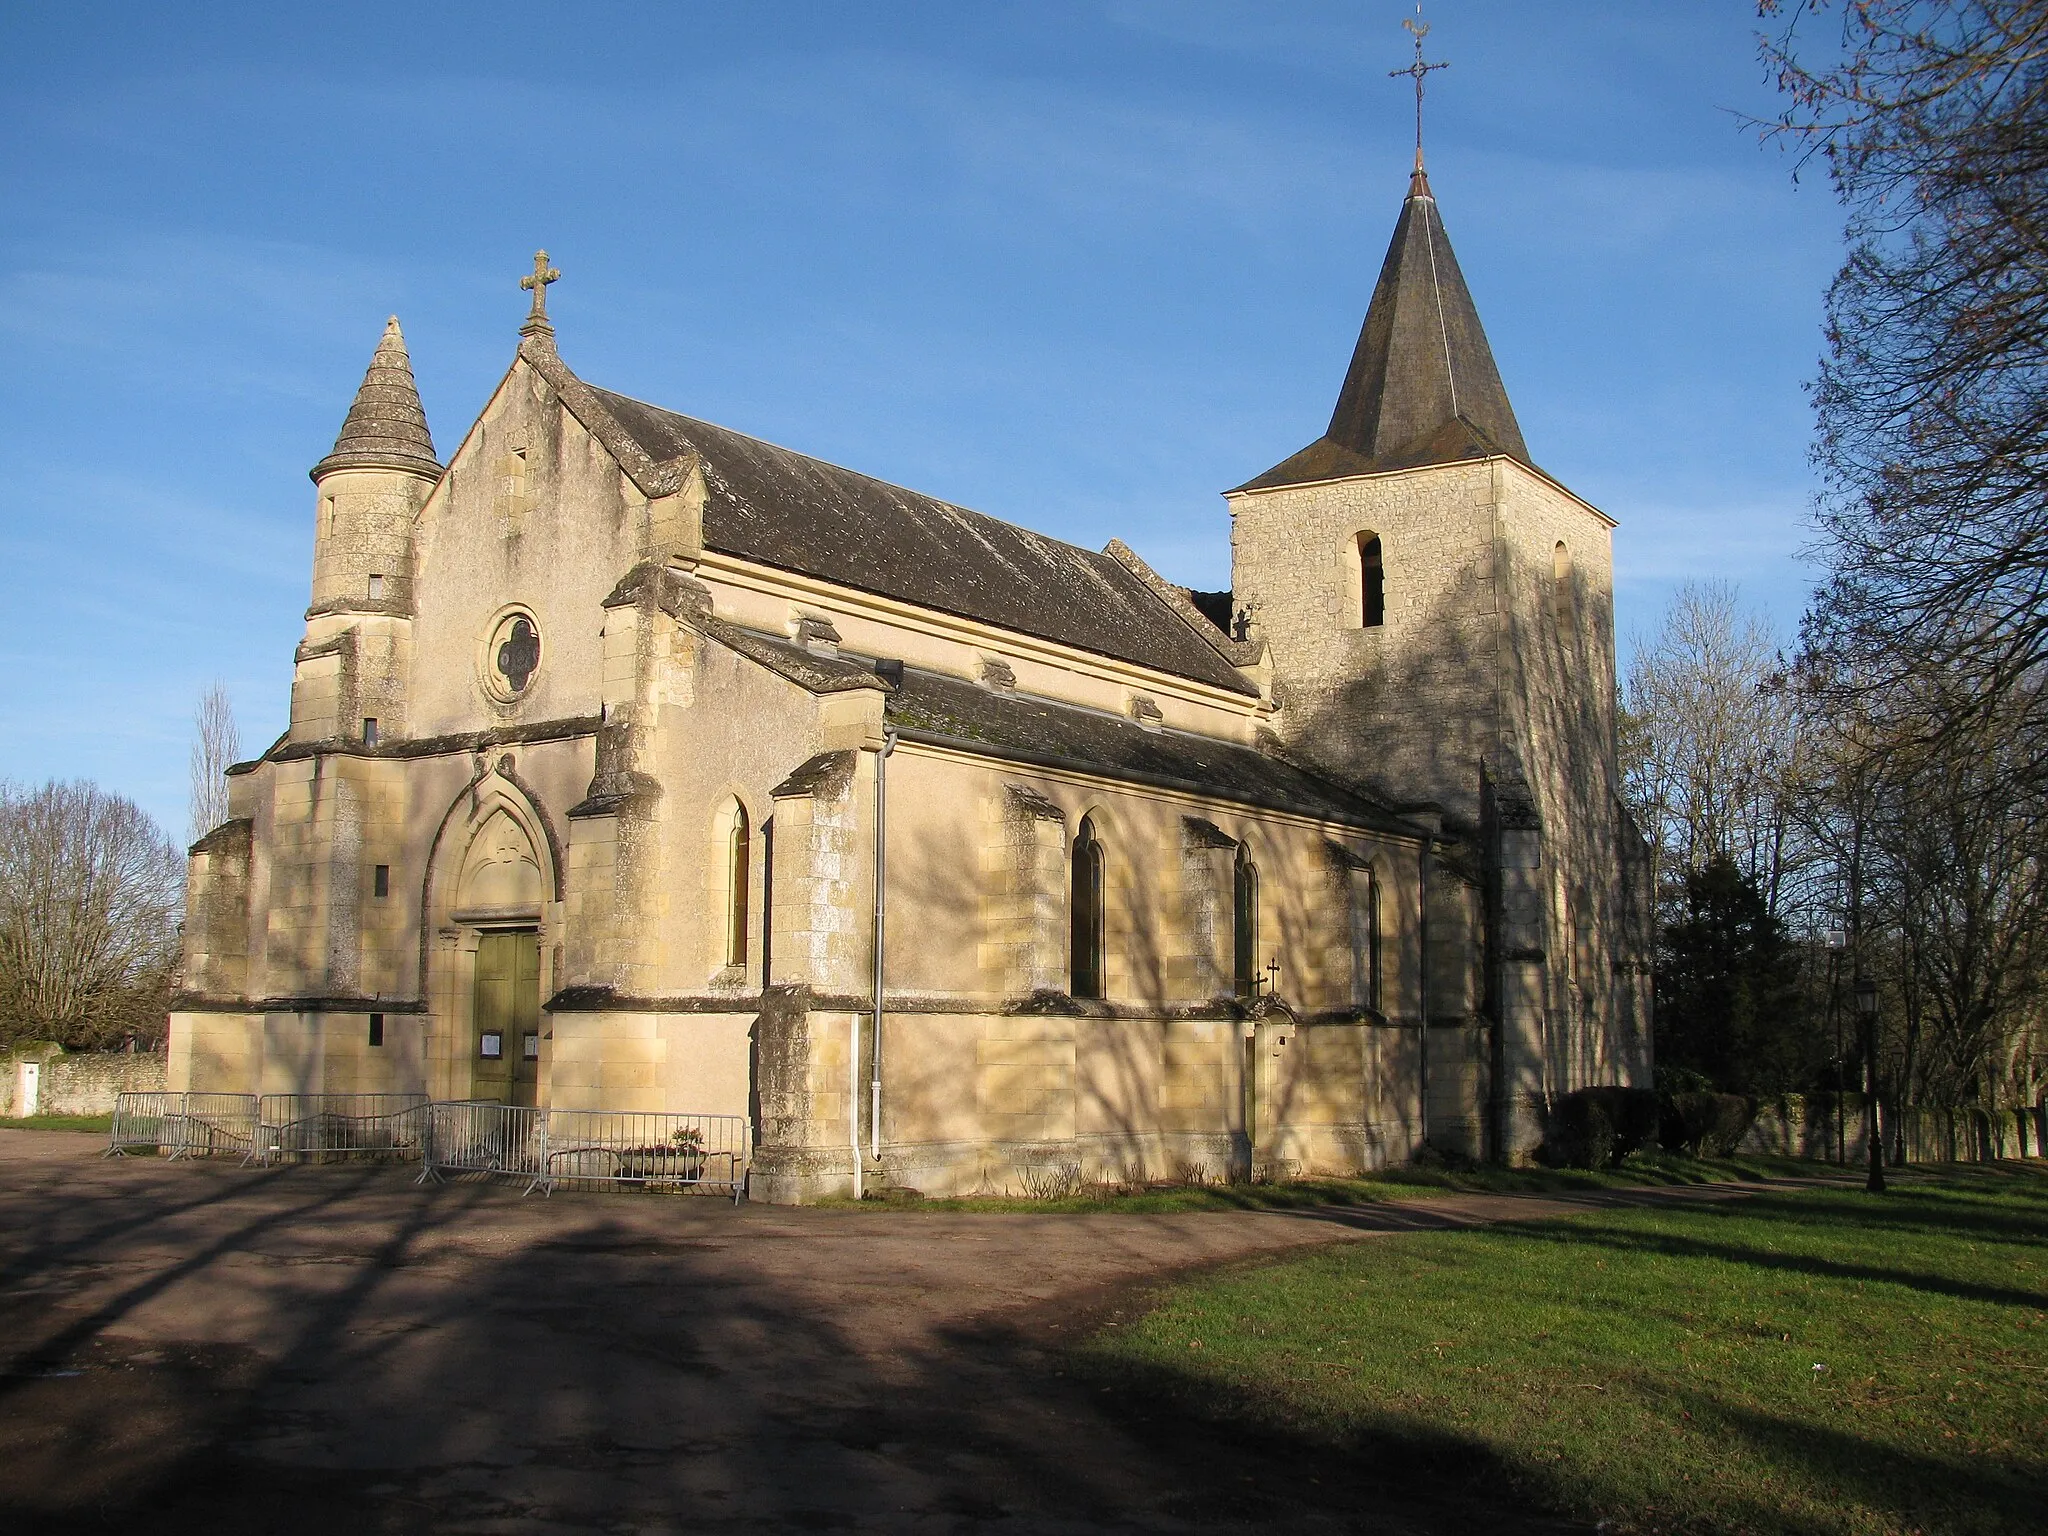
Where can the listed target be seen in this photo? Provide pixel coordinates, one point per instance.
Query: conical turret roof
(1422, 388)
(386, 426)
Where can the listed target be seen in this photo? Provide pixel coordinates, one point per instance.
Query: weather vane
(1419, 29)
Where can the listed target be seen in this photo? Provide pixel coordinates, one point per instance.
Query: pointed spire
(1422, 360)
(1423, 387)
(386, 426)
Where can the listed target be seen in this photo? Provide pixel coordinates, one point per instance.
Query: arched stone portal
(501, 875)
(490, 913)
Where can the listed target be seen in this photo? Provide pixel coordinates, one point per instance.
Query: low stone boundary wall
(77, 1082)
(1806, 1126)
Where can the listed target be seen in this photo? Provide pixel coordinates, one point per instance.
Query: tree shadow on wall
(1114, 1100)
(1433, 717)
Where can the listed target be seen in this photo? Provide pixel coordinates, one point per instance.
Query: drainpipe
(881, 891)
(1422, 979)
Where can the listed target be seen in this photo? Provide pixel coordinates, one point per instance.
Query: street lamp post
(1866, 1017)
(1837, 942)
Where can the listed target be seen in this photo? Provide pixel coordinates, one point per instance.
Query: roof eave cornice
(426, 469)
(1419, 469)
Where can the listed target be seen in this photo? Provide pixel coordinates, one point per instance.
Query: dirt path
(199, 1347)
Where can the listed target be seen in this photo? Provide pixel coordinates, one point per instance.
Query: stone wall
(1118, 1095)
(1796, 1126)
(1806, 1126)
(1488, 689)
(1409, 706)
(81, 1083)
(595, 807)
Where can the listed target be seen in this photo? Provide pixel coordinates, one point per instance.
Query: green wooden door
(506, 1064)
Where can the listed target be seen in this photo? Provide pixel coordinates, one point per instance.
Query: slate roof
(386, 426)
(782, 508)
(932, 706)
(1422, 387)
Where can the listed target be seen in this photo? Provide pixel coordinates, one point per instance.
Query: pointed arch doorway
(498, 899)
(505, 1005)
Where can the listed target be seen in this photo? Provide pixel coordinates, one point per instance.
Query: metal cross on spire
(537, 285)
(1419, 29)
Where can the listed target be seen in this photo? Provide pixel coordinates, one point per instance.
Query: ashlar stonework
(1296, 877)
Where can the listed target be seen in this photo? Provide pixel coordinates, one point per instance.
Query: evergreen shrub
(1706, 1124)
(1598, 1127)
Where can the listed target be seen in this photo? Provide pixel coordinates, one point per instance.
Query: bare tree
(91, 892)
(1932, 117)
(216, 744)
(1933, 847)
(1710, 737)
(1958, 846)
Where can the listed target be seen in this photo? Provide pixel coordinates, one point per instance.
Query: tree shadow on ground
(333, 1350)
(1815, 1222)
(1397, 1463)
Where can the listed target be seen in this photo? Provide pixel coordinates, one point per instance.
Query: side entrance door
(506, 1065)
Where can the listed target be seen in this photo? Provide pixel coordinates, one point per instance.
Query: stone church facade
(635, 763)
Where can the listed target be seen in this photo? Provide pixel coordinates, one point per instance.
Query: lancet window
(1245, 923)
(1084, 913)
(739, 853)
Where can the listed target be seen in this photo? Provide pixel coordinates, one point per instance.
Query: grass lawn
(1813, 1360)
(100, 1123)
(1392, 1184)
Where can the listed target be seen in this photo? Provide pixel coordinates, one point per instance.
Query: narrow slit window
(369, 730)
(1372, 581)
(768, 901)
(380, 881)
(376, 589)
(376, 1029)
(1561, 605)
(1084, 913)
(739, 863)
(1372, 941)
(1245, 923)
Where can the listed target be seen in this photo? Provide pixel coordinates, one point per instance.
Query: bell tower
(1438, 614)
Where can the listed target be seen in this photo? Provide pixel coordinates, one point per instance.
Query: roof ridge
(796, 452)
(1430, 228)
(785, 509)
(858, 474)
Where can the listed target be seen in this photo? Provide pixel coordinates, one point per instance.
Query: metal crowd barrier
(587, 1147)
(483, 1136)
(184, 1124)
(689, 1153)
(340, 1125)
(666, 1151)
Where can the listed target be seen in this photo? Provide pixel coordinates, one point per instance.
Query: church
(636, 763)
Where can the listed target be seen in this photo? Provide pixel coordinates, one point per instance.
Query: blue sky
(1078, 263)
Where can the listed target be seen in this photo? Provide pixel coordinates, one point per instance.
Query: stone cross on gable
(537, 285)
(1418, 29)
